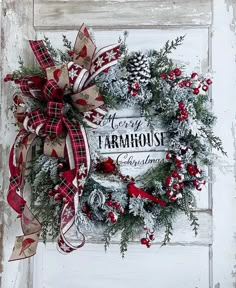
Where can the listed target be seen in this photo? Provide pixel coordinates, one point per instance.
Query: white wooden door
(208, 260)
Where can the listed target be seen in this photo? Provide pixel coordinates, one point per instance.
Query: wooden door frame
(17, 23)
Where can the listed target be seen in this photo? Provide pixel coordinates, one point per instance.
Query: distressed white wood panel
(193, 53)
(121, 13)
(180, 267)
(1, 194)
(224, 174)
(183, 233)
(16, 23)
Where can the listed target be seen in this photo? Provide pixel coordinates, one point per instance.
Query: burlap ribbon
(72, 79)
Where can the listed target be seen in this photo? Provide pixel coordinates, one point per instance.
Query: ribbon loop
(54, 123)
(41, 53)
(52, 91)
(34, 121)
(84, 48)
(31, 86)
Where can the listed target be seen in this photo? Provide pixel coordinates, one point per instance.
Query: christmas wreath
(72, 90)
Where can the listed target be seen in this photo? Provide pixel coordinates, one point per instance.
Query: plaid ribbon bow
(75, 76)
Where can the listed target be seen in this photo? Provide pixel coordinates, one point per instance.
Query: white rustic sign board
(129, 141)
(205, 261)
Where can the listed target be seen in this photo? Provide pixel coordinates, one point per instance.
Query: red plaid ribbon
(25, 245)
(52, 91)
(88, 102)
(14, 199)
(35, 120)
(54, 124)
(31, 86)
(41, 53)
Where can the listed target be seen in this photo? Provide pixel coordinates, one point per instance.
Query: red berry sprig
(171, 75)
(195, 83)
(198, 184)
(112, 216)
(134, 88)
(193, 170)
(148, 239)
(8, 77)
(182, 112)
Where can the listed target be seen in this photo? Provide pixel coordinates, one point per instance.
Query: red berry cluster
(116, 208)
(112, 216)
(177, 160)
(126, 178)
(86, 210)
(148, 239)
(171, 75)
(203, 83)
(134, 88)
(194, 171)
(198, 184)
(8, 77)
(182, 112)
(174, 182)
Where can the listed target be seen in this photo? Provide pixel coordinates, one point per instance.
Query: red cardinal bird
(82, 53)
(25, 245)
(136, 192)
(57, 74)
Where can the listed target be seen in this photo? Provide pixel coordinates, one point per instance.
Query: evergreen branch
(27, 70)
(194, 222)
(53, 52)
(124, 49)
(202, 113)
(158, 173)
(67, 43)
(168, 233)
(126, 236)
(171, 45)
(126, 223)
(214, 141)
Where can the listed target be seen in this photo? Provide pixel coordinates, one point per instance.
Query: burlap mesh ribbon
(75, 77)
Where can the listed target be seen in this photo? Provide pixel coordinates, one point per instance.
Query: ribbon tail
(79, 160)
(41, 53)
(64, 244)
(25, 245)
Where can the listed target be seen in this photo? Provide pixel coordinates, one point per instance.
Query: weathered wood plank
(16, 26)
(1, 194)
(193, 53)
(182, 267)
(121, 13)
(183, 234)
(224, 184)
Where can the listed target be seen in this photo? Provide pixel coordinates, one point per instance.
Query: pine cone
(138, 69)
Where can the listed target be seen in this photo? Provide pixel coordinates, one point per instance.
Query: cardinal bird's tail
(157, 200)
(136, 192)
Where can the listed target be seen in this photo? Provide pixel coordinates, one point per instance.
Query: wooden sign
(129, 140)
